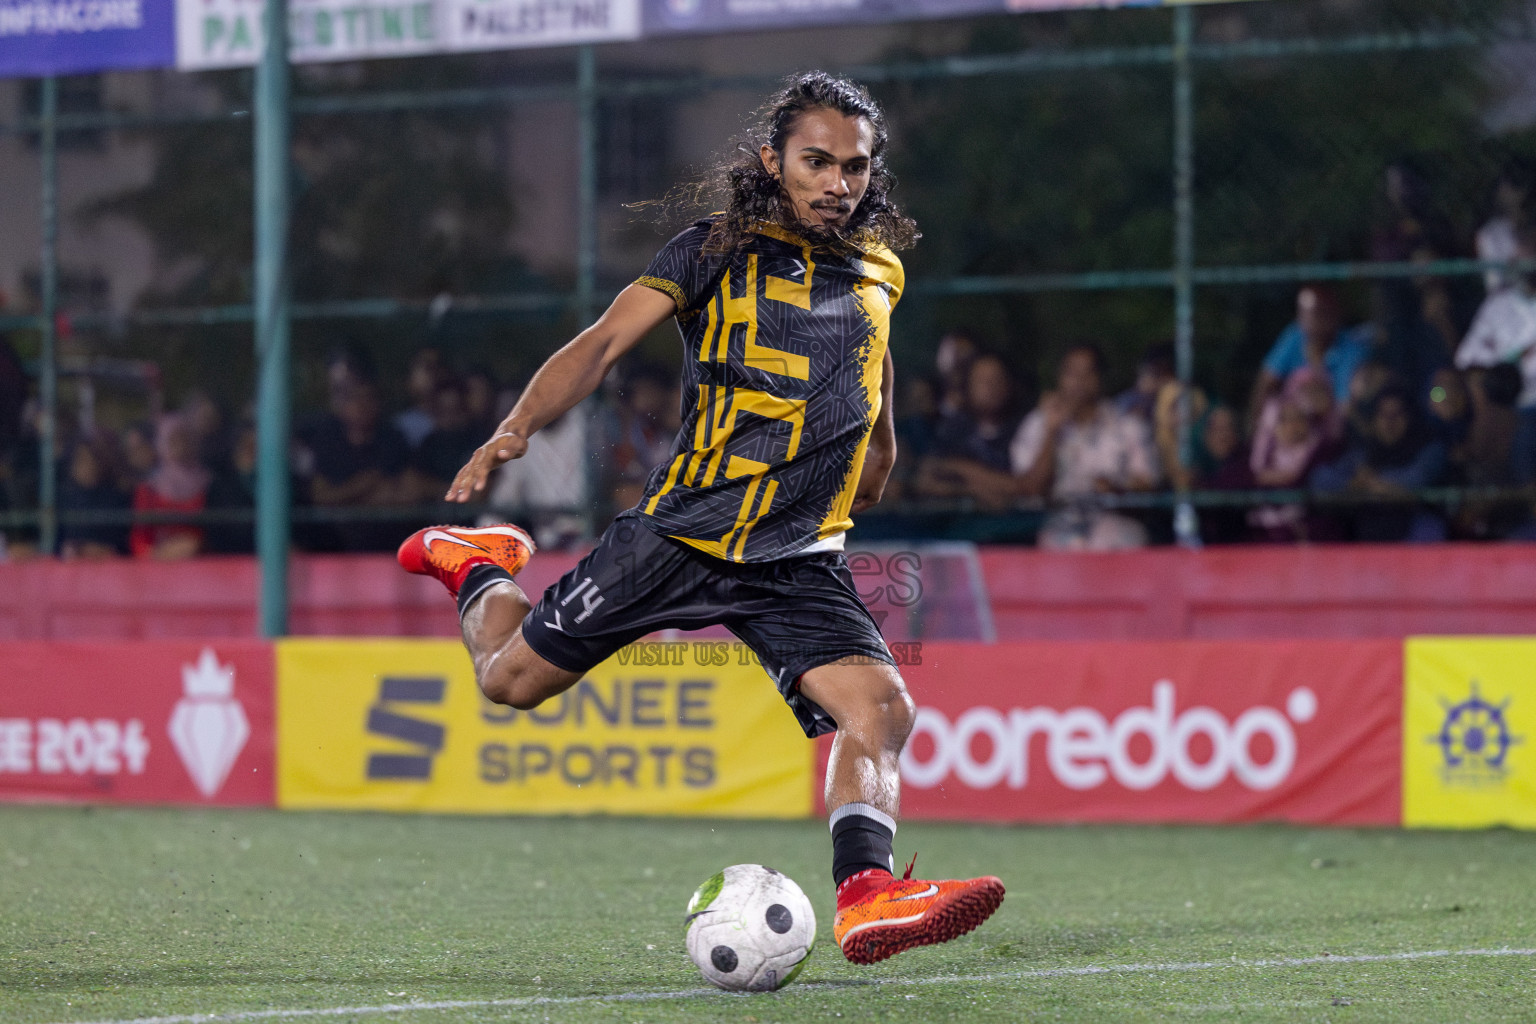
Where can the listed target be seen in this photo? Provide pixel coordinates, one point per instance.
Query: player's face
(824, 166)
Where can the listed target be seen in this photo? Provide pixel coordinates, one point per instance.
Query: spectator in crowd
(348, 364)
(423, 376)
(178, 483)
(233, 488)
(917, 431)
(447, 448)
(1292, 437)
(20, 472)
(550, 488)
(644, 426)
(206, 421)
(1221, 464)
(1366, 383)
(1153, 372)
(1168, 434)
(958, 348)
(138, 459)
(359, 460)
(1076, 447)
(1394, 458)
(90, 484)
(480, 390)
(969, 457)
(1448, 409)
(1505, 332)
(982, 429)
(13, 396)
(1492, 394)
(1512, 196)
(1316, 338)
(1221, 457)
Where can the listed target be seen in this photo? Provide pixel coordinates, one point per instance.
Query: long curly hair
(753, 195)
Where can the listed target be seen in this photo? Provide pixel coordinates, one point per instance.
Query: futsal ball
(750, 928)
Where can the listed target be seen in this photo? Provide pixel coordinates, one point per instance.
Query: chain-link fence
(1271, 220)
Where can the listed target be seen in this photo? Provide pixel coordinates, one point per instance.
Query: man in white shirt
(551, 483)
(1504, 331)
(1076, 446)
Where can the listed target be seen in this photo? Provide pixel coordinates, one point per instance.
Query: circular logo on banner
(1474, 739)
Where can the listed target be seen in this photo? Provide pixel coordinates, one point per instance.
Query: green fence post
(272, 320)
(48, 374)
(586, 186)
(1186, 525)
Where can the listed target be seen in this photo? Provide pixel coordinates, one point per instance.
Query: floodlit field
(112, 915)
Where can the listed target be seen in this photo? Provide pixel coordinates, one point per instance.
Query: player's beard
(818, 232)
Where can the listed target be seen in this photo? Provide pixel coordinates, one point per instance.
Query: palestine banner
(59, 37)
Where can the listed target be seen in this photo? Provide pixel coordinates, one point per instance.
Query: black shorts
(795, 613)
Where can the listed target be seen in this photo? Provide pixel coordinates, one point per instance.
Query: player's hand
(863, 499)
(470, 481)
(877, 470)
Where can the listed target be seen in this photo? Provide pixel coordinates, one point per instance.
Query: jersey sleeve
(680, 269)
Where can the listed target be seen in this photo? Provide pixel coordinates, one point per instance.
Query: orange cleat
(449, 552)
(878, 916)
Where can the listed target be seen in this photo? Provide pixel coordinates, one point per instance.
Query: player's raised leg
(477, 565)
(879, 915)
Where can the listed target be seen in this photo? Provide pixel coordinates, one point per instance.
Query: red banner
(1177, 731)
(153, 722)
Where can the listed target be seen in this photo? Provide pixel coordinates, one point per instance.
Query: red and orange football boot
(449, 552)
(879, 916)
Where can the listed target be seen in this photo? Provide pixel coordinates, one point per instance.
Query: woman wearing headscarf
(1295, 432)
(178, 483)
(1395, 456)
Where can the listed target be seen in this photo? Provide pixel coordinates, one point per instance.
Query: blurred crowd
(1436, 387)
(361, 475)
(1433, 385)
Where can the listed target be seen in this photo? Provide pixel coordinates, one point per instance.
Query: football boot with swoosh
(879, 916)
(449, 552)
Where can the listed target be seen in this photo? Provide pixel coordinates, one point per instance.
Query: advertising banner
(1469, 759)
(228, 33)
(515, 24)
(154, 722)
(62, 37)
(691, 728)
(1305, 731)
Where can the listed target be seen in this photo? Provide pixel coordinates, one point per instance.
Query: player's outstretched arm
(567, 377)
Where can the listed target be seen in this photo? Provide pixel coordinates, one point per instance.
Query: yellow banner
(661, 728)
(1469, 733)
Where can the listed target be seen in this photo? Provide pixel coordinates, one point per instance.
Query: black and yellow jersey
(784, 346)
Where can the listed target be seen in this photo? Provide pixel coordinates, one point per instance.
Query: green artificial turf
(110, 915)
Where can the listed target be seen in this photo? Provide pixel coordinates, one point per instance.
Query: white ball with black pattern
(750, 929)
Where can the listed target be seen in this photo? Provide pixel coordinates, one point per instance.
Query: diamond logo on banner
(208, 727)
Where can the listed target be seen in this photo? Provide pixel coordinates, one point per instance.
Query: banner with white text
(183, 722)
(64, 37)
(1303, 731)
